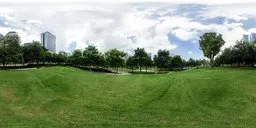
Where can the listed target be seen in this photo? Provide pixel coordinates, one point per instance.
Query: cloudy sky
(174, 25)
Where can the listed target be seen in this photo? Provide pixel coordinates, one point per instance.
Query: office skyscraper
(249, 37)
(245, 38)
(48, 40)
(252, 37)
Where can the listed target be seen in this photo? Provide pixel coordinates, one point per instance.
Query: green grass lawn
(67, 97)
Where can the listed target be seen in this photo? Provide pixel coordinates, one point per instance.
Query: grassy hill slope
(67, 97)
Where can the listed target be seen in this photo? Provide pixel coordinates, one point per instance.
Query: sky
(174, 25)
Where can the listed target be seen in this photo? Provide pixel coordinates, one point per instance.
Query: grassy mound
(68, 97)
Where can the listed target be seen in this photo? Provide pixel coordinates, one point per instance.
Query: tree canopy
(162, 59)
(115, 58)
(210, 43)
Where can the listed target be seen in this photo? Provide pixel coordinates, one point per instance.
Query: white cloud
(123, 26)
(135, 1)
(103, 26)
(235, 12)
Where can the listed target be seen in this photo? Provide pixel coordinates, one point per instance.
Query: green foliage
(115, 58)
(33, 52)
(162, 59)
(176, 62)
(77, 57)
(141, 58)
(12, 53)
(10, 49)
(131, 62)
(243, 53)
(92, 57)
(194, 63)
(210, 43)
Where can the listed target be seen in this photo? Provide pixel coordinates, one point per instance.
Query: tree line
(115, 58)
(241, 54)
(12, 52)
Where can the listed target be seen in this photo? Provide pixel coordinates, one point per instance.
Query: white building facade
(48, 40)
(249, 37)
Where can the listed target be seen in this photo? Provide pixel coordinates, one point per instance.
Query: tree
(33, 52)
(162, 59)
(227, 57)
(176, 62)
(76, 58)
(210, 43)
(249, 56)
(62, 57)
(10, 49)
(140, 57)
(193, 63)
(48, 57)
(115, 58)
(92, 57)
(130, 62)
(2, 50)
(148, 62)
(241, 53)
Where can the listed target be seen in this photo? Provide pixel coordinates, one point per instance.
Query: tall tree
(48, 57)
(2, 50)
(210, 43)
(148, 62)
(92, 57)
(76, 58)
(176, 62)
(115, 58)
(242, 53)
(62, 57)
(140, 57)
(33, 52)
(131, 63)
(10, 48)
(162, 59)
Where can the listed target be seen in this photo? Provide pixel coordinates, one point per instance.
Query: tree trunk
(211, 61)
(140, 68)
(4, 62)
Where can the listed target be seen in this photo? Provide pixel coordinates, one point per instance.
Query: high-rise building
(252, 37)
(249, 37)
(48, 40)
(245, 38)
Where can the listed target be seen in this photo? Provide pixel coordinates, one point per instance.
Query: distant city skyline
(251, 37)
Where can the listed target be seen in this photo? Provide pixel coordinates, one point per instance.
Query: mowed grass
(65, 97)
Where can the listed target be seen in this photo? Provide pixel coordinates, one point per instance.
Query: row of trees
(115, 58)
(241, 54)
(12, 53)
